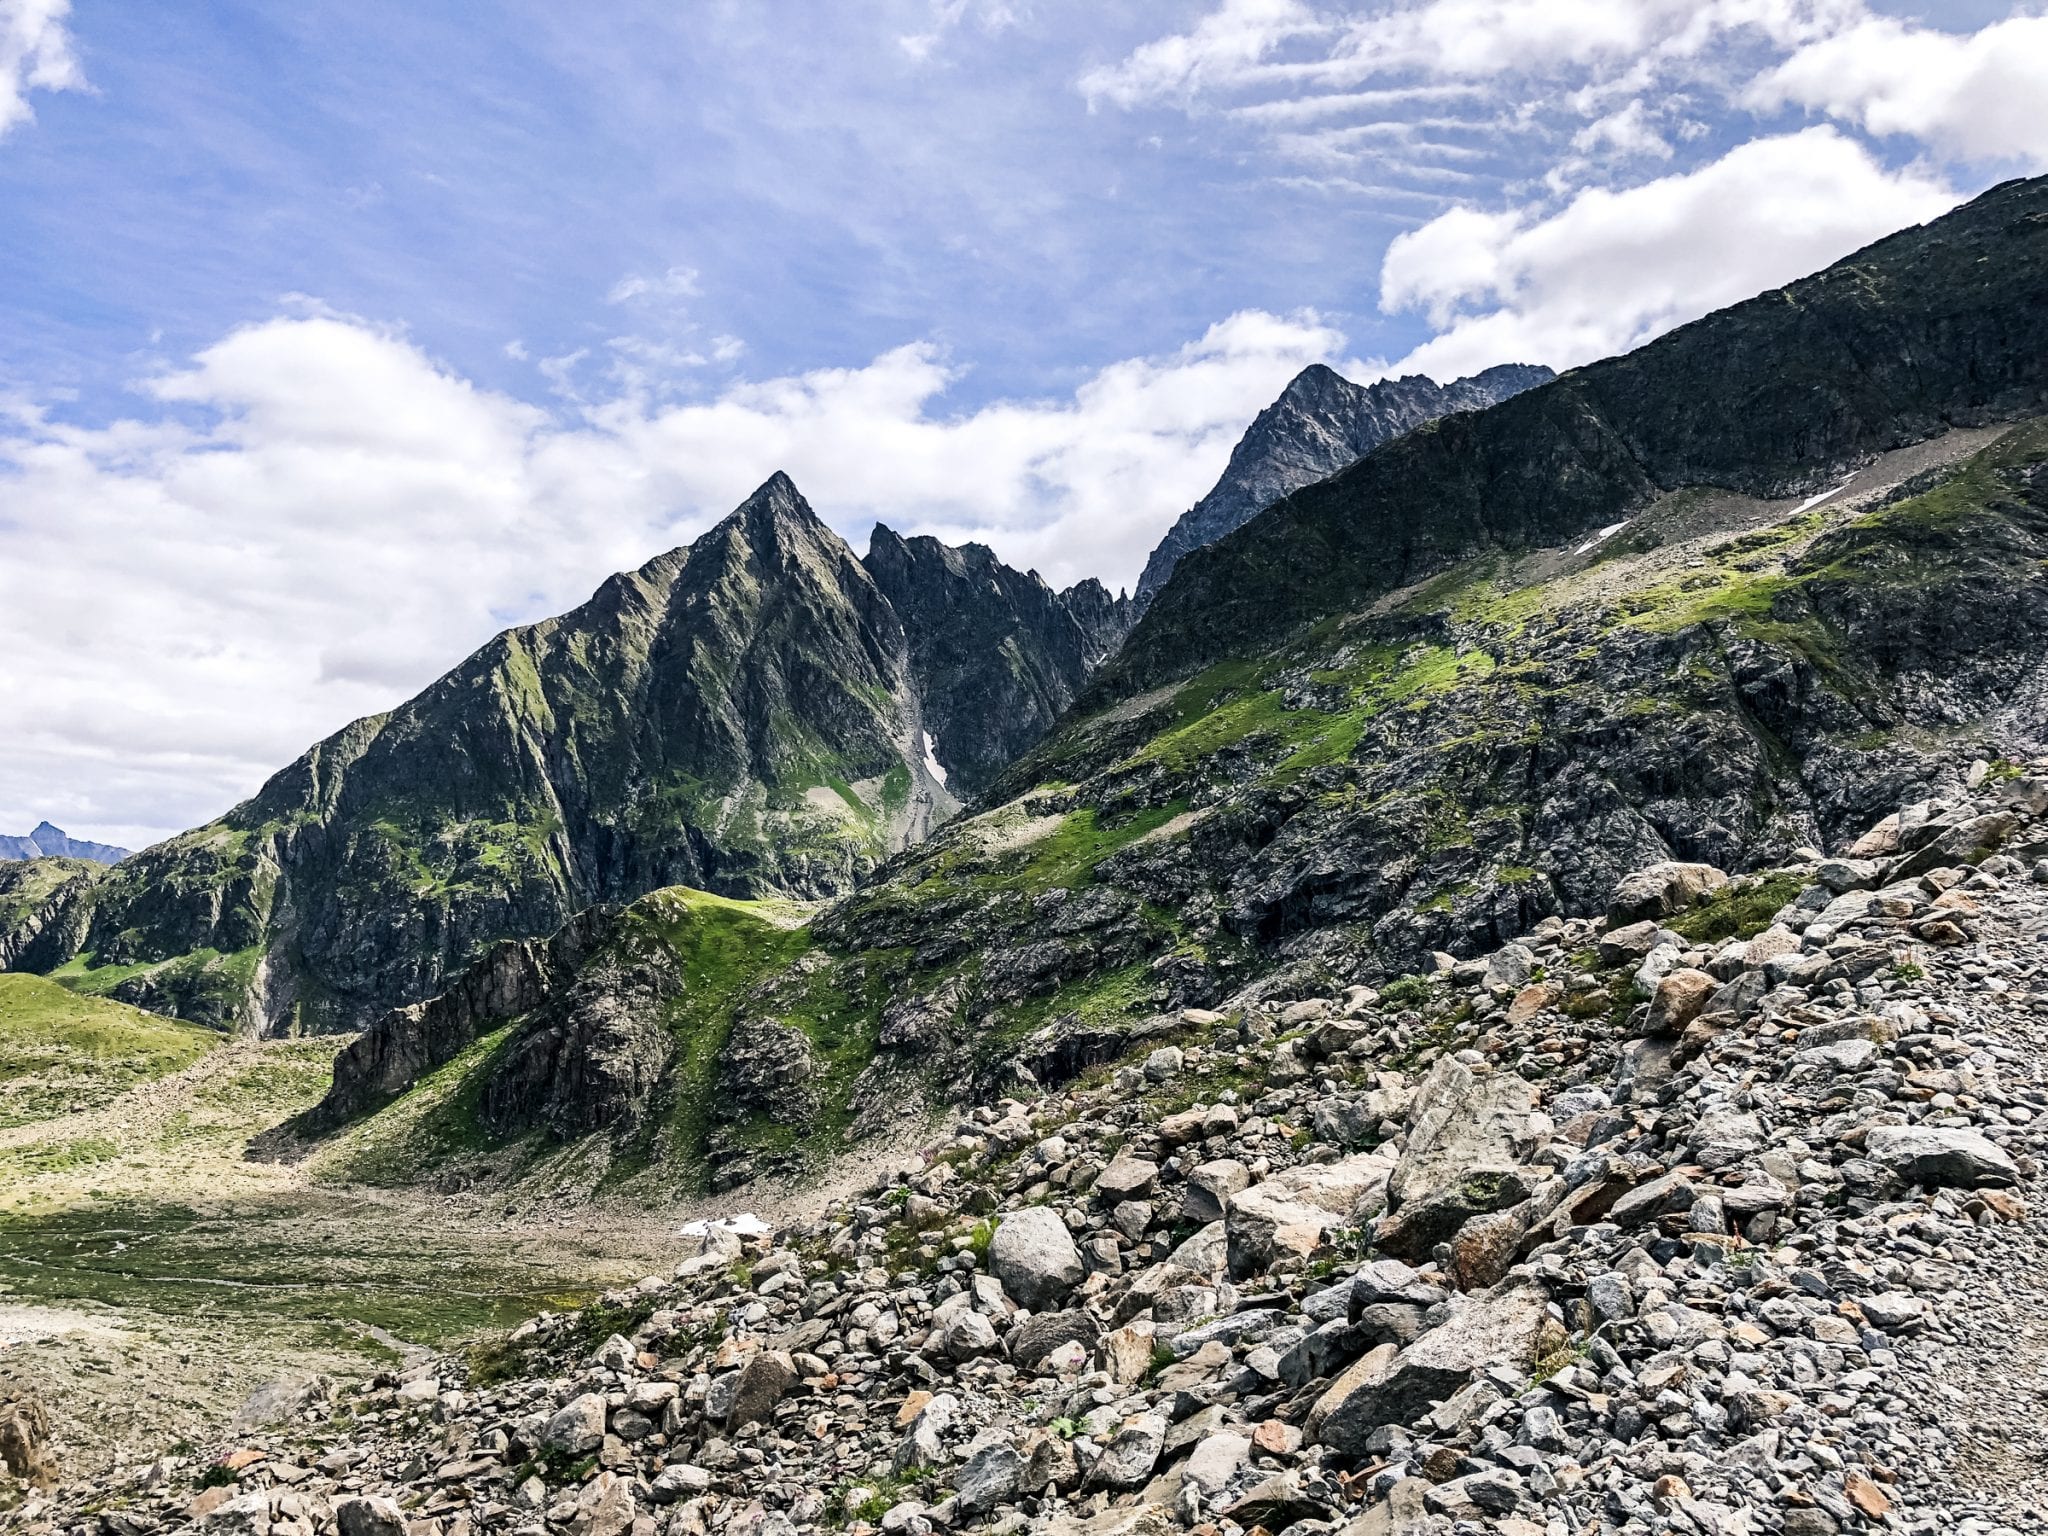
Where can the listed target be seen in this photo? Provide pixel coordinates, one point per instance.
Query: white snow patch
(1814, 501)
(1602, 536)
(931, 760)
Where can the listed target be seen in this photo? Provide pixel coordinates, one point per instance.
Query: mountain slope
(743, 716)
(48, 842)
(998, 654)
(1937, 326)
(1321, 422)
(1728, 679)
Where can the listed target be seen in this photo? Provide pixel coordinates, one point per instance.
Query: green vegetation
(60, 1051)
(1739, 910)
(300, 1265)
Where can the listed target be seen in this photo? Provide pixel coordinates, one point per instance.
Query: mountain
(1740, 593)
(752, 716)
(1321, 423)
(1769, 397)
(48, 842)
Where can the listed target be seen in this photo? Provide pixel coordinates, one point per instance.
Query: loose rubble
(1705, 1216)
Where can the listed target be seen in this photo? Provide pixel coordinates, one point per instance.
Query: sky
(334, 339)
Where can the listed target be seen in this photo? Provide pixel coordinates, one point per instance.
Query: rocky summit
(1716, 1212)
(759, 714)
(1321, 423)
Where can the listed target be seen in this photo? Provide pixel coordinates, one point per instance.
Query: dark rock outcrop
(997, 654)
(1321, 422)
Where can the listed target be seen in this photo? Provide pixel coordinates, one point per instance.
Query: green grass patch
(1738, 910)
(59, 1049)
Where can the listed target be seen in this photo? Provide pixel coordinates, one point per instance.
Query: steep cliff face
(1728, 677)
(1321, 423)
(45, 909)
(48, 842)
(1941, 325)
(997, 654)
(746, 716)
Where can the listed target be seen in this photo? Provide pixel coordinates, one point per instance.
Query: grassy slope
(58, 1049)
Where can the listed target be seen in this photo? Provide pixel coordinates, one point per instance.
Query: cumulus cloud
(313, 518)
(35, 55)
(1611, 268)
(1981, 97)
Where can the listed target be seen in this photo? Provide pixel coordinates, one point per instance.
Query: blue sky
(337, 337)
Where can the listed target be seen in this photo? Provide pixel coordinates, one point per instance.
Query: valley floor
(153, 1275)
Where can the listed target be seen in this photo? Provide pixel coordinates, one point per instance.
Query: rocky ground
(1713, 1215)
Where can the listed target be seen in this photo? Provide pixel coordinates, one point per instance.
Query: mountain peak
(48, 841)
(1320, 423)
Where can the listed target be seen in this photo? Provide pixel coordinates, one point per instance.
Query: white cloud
(1611, 269)
(1980, 98)
(35, 55)
(313, 519)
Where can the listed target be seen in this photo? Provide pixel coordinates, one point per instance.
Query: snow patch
(931, 761)
(1814, 501)
(1602, 536)
(746, 1224)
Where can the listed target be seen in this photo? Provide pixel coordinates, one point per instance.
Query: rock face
(1321, 423)
(48, 842)
(997, 653)
(45, 911)
(744, 716)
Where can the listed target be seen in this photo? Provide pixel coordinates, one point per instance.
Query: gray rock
(1397, 1386)
(1941, 1156)
(1034, 1256)
(578, 1428)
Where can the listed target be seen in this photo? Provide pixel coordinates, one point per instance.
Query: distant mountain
(1321, 423)
(48, 842)
(760, 714)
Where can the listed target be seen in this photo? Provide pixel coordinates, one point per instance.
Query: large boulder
(577, 1428)
(1680, 998)
(1034, 1257)
(1470, 1136)
(1398, 1386)
(1661, 890)
(1291, 1212)
(1941, 1156)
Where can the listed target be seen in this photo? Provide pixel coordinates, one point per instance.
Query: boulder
(1045, 1333)
(1210, 1187)
(1034, 1256)
(767, 1375)
(1679, 999)
(1291, 1212)
(369, 1517)
(1464, 1157)
(1941, 1157)
(988, 1477)
(577, 1428)
(1661, 890)
(1398, 1386)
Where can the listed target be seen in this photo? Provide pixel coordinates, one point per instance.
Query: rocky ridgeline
(1711, 1215)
